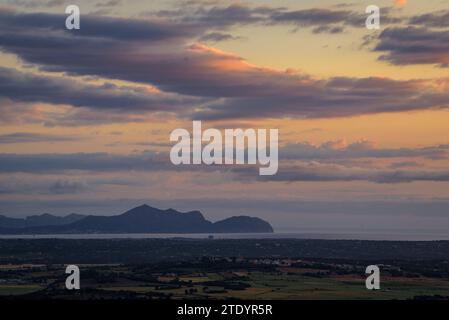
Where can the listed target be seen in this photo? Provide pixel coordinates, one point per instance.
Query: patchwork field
(111, 269)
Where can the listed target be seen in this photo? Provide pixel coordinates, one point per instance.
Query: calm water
(421, 236)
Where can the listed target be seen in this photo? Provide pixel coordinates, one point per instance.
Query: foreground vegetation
(204, 269)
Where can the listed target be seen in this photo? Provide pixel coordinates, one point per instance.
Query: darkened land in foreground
(220, 269)
(48, 251)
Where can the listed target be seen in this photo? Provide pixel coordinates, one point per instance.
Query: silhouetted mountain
(6, 222)
(241, 224)
(38, 220)
(146, 219)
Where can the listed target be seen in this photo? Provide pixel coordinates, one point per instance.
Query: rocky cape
(142, 219)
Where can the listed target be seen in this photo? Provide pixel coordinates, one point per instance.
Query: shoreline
(360, 236)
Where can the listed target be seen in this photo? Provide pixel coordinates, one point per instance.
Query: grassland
(107, 275)
(277, 283)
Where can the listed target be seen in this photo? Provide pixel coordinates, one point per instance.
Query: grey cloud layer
(136, 53)
(361, 149)
(35, 3)
(316, 171)
(51, 187)
(435, 19)
(25, 87)
(404, 45)
(411, 45)
(47, 163)
(324, 20)
(289, 171)
(24, 137)
(335, 97)
(102, 27)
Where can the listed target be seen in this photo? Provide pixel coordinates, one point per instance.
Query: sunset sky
(362, 114)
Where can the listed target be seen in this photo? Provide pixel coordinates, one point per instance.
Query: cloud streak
(290, 170)
(30, 88)
(432, 20)
(29, 137)
(412, 45)
(361, 149)
(325, 20)
(319, 172)
(232, 87)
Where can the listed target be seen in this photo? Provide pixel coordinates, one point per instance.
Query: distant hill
(142, 219)
(38, 220)
(241, 224)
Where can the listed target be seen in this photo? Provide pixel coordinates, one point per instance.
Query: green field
(224, 269)
(292, 287)
(18, 289)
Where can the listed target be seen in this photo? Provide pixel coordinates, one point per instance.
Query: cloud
(403, 164)
(30, 88)
(109, 3)
(35, 3)
(299, 162)
(19, 113)
(327, 20)
(103, 28)
(362, 149)
(67, 187)
(432, 20)
(219, 17)
(27, 137)
(321, 172)
(99, 162)
(217, 37)
(14, 185)
(327, 29)
(322, 20)
(412, 45)
(335, 97)
(231, 87)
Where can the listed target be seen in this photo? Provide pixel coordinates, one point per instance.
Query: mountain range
(142, 219)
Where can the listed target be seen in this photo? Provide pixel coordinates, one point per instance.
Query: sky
(362, 114)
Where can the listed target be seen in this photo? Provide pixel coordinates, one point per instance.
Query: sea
(365, 235)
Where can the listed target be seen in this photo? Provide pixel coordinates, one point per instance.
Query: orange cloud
(400, 3)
